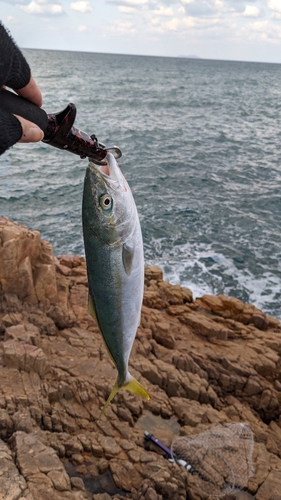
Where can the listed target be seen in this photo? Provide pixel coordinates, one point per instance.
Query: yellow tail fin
(133, 386)
(136, 388)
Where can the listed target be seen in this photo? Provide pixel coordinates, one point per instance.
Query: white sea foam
(207, 272)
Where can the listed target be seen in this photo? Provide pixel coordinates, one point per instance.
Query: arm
(15, 73)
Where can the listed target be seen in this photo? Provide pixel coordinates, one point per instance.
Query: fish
(115, 265)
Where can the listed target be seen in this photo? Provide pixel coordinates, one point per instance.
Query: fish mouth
(109, 171)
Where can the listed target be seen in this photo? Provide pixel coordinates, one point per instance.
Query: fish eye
(105, 202)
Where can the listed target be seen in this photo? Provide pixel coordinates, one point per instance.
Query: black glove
(15, 73)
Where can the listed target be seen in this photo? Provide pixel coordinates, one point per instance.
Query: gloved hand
(15, 73)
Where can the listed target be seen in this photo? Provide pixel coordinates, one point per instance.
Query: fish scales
(115, 264)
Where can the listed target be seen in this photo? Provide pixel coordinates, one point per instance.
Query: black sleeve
(10, 131)
(14, 69)
(15, 73)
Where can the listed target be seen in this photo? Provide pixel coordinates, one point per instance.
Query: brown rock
(77, 458)
(102, 496)
(203, 363)
(26, 333)
(271, 486)
(125, 474)
(109, 445)
(64, 270)
(6, 425)
(45, 283)
(36, 460)
(260, 321)
(170, 293)
(60, 481)
(252, 387)
(153, 273)
(162, 335)
(26, 264)
(12, 483)
(25, 357)
(78, 483)
(205, 326)
(213, 303)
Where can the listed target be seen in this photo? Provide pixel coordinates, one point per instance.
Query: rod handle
(18, 105)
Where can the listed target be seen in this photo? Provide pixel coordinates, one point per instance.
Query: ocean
(201, 152)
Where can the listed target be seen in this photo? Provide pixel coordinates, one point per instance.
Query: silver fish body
(115, 264)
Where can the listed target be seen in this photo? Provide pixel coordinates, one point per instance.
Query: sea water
(201, 143)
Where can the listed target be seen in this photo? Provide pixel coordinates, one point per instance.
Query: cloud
(252, 11)
(128, 3)
(265, 31)
(126, 10)
(185, 25)
(274, 5)
(202, 8)
(81, 6)
(42, 7)
(13, 2)
(82, 28)
(163, 11)
(126, 28)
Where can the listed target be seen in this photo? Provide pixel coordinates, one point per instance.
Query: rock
(12, 483)
(153, 273)
(206, 362)
(101, 496)
(77, 458)
(110, 447)
(26, 264)
(125, 474)
(270, 487)
(25, 357)
(59, 480)
(206, 327)
(78, 483)
(40, 465)
(162, 335)
(6, 424)
(26, 333)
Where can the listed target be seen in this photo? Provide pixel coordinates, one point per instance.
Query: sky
(244, 30)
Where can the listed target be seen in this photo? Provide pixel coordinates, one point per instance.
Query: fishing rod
(58, 128)
(168, 452)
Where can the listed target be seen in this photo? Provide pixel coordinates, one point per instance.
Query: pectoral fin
(127, 257)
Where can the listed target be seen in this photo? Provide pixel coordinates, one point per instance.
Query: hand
(31, 132)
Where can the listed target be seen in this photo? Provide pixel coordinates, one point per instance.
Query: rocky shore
(204, 362)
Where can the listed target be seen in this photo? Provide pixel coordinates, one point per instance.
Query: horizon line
(193, 57)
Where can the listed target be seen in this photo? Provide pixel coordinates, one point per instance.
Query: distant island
(191, 57)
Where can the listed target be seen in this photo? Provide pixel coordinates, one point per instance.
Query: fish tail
(133, 386)
(136, 388)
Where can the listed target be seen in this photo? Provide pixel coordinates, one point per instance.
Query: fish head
(108, 205)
